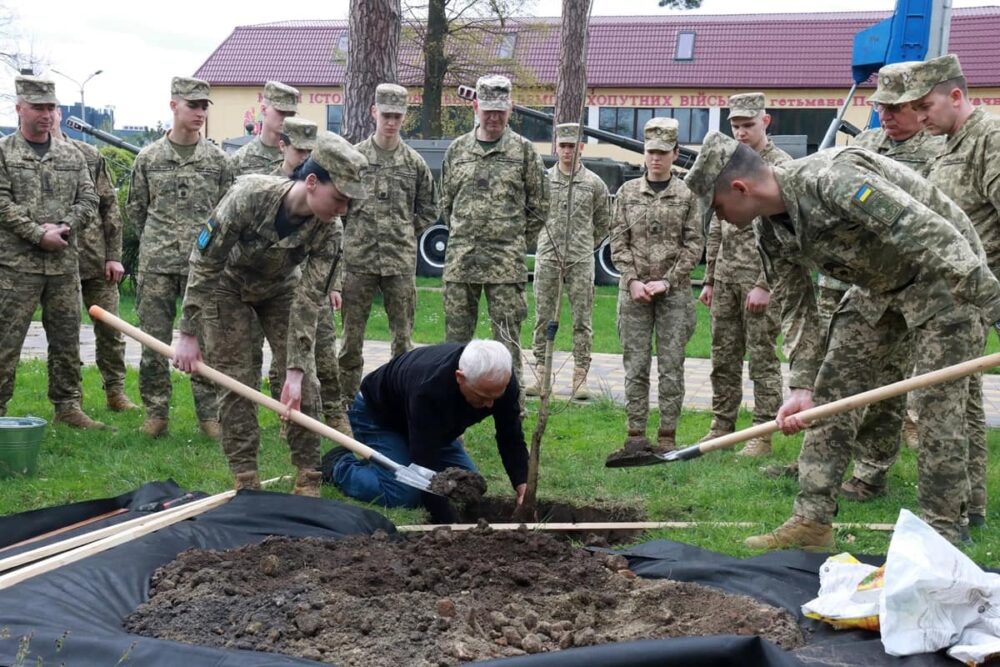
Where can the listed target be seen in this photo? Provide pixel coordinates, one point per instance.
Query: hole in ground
(500, 510)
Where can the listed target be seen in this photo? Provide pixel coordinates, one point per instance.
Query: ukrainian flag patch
(206, 233)
(863, 193)
(877, 204)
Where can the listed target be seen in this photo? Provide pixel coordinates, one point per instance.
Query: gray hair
(485, 358)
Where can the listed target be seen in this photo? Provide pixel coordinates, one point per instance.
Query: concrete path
(606, 374)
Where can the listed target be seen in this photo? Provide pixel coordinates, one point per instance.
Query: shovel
(412, 475)
(819, 412)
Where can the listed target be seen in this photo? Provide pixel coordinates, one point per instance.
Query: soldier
(566, 252)
(46, 197)
(266, 255)
(743, 318)
(655, 241)
(100, 251)
(176, 182)
(298, 139)
(380, 236)
(968, 171)
(495, 199)
(918, 269)
(262, 155)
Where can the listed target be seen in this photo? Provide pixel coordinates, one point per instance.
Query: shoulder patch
(877, 204)
(206, 233)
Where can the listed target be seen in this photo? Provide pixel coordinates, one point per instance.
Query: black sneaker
(330, 460)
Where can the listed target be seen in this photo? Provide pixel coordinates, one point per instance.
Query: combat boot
(716, 430)
(796, 533)
(119, 402)
(154, 427)
(637, 451)
(211, 428)
(666, 441)
(247, 481)
(910, 437)
(307, 483)
(756, 447)
(861, 491)
(581, 392)
(74, 417)
(776, 471)
(339, 422)
(535, 388)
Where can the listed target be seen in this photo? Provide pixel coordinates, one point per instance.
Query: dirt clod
(407, 601)
(462, 487)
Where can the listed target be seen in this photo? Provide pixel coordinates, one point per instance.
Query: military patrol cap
(345, 164)
(190, 89)
(35, 90)
(493, 92)
(716, 151)
(746, 105)
(919, 78)
(891, 84)
(301, 132)
(567, 133)
(660, 134)
(390, 98)
(281, 97)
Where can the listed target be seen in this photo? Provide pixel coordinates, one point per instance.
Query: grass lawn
(75, 466)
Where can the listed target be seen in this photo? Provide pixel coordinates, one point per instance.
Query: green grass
(76, 466)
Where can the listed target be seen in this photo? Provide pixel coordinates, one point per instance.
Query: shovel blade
(416, 476)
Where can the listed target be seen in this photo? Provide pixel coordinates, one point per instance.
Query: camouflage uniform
(54, 189)
(169, 200)
(567, 244)
(100, 241)
(918, 269)
(495, 201)
(732, 268)
(380, 251)
(255, 157)
(655, 236)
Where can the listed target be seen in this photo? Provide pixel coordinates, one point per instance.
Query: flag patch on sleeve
(206, 233)
(877, 204)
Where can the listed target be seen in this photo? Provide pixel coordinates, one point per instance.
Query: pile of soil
(441, 598)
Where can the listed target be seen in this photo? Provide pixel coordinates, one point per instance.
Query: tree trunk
(372, 57)
(572, 83)
(435, 68)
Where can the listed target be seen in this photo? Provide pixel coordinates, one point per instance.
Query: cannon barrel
(75, 123)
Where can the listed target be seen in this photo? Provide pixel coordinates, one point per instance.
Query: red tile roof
(733, 51)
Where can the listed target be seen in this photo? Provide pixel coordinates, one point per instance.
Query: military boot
(339, 421)
(535, 388)
(119, 402)
(636, 451)
(247, 481)
(307, 483)
(716, 430)
(776, 471)
(211, 428)
(154, 427)
(74, 417)
(756, 447)
(861, 491)
(581, 392)
(666, 441)
(796, 533)
(910, 437)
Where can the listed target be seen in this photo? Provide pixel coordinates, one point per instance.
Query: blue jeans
(371, 483)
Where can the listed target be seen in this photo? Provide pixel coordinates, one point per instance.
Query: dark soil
(441, 598)
(462, 487)
(495, 509)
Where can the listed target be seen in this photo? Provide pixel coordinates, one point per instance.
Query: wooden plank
(628, 525)
(65, 529)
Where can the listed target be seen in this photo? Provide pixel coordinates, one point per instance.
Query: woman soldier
(268, 253)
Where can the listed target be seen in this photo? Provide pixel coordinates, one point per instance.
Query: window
(685, 46)
(629, 121)
(508, 43)
(334, 117)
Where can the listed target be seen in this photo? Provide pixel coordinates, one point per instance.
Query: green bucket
(20, 440)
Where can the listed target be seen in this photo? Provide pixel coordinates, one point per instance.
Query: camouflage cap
(660, 134)
(568, 133)
(345, 164)
(301, 132)
(390, 98)
(35, 90)
(281, 97)
(746, 105)
(493, 92)
(716, 151)
(921, 77)
(891, 84)
(190, 89)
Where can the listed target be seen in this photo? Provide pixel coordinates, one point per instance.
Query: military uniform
(566, 252)
(52, 189)
(169, 200)
(247, 266)
(495, 199)
(256, 157)
(918, 269)
(655, 236)
(380, 243)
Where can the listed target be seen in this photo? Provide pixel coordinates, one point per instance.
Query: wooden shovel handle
(945, 374)
(223, 380)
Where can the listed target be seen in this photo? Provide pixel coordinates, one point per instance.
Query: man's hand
(706, 295)
(186, 353)
(113, 272)
(54, 237)
(637, 290)
(655, 287)
(798, 400)
(336, 301)
(757, 300)
(291, 391)
(520, 490)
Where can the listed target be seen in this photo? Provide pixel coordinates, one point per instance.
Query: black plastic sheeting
(89, 599)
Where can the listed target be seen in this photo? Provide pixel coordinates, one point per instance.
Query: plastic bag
(848, 596)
